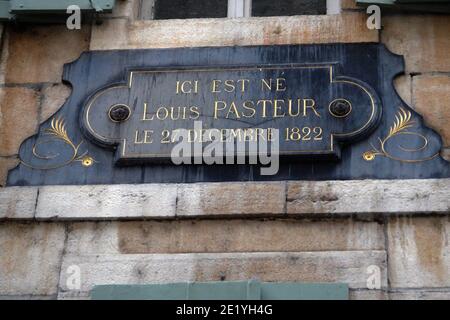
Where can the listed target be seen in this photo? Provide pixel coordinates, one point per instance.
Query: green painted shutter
(49, 10)
(5, 6)
(303, 291)
(59, 6)
(226, 290)
(433, 6)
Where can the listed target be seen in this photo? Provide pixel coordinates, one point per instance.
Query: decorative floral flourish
(58, 131)
(401, 125)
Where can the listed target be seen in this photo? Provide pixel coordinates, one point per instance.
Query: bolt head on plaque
(119, 113)
(87, 161)
(340, 108)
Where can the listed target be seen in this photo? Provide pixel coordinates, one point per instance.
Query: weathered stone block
(216, 236)
(93, 238)
(125, 8)
(423, 39)
(17, 202)
(30, 257)
(403, 86)
(18, 117)
(27, 297)
(111, 34)
(445, 153)
(6, 164)
(431, 99)
(419, 252)
(106, 202)
(366, 294)
(118, 34)
(231, 198)
(38, 53)
(349, 4)
(344, 266)
(368, 196)
(53, 97)
(257, 199)
(424, 294)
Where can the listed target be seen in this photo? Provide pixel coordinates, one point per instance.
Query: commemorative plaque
(331, 111)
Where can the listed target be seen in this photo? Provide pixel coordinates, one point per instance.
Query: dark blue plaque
(333, 106)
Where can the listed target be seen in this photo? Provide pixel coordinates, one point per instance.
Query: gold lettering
(243, 82)
(136, 138)
(264, 106)
(291, 114)
(192, 135)
(281, 84)
(234, 110)
(144, 117)
(270, 136)
(183, 87)
(217, 109)
(196, 86)
(309, 104)
(260, 133)
(165, 113)
(172, 113)
(215, 84)
(266, 84)
(249, 105)
(195, 113)
(148, 136)
(248, 135)
(236, 133)
(187, 87)
(277, 108)
(229, 86)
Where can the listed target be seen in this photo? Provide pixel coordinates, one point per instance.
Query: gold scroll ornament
(401, 125)
(57, 131)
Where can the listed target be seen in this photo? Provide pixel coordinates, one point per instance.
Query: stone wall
(302, 232)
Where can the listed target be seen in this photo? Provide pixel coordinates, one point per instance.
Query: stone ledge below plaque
(368, 199)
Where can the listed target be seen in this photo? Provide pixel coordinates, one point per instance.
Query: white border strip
(333, 6)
